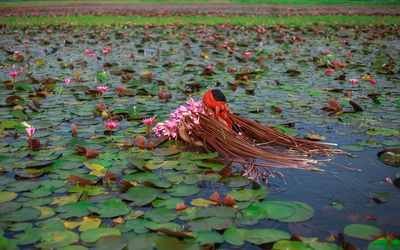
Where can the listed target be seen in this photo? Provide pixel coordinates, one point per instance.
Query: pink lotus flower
(92, 54)
(26, 42)
(37, 38)
(105, 52)
(353, 81)
(67, 81)
(327, 52)
(30, 131)
(17, 52)
(330, 71)
(102, 89)
(247, 53)
(349, 54)
(372, 81)
(87, 51)
(13, 74)
(149, 121)
(111, 124)
(209, 67)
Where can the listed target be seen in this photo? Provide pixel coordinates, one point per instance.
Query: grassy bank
(234, 20)
(285, 2)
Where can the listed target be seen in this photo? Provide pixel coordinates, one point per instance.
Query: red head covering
(216, 100)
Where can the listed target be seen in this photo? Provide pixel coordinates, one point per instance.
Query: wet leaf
(262, 236)
(390, 156)
(110, 208)
(362, 231)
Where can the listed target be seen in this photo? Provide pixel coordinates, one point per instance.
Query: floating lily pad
(6, 207)
(161, 215)
(110, 208)
(235, 236)
(57, 238)
(385, 241)
(248, 194)
(6, 196)
(362, 231)
(390, 156)
(141, 195)
(170, 203)
(30, 236)
(76, 209)
(111, 242)
(94, 234)
(183, 190)
(262, 236)
(22, 214)
(206, 238)
(353, 147)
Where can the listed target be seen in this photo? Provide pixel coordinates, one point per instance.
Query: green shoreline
(278, 2)
(233, 20)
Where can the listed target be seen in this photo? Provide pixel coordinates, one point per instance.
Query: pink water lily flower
(13, 74)
(353, 81)
(327, 52)
(17, 52)
(111, 124)
(30, 131)
(149, 121)
(209, 67)
(37, 38)
(102, 89)
(67, 81)
(330, 71)
(372, 81)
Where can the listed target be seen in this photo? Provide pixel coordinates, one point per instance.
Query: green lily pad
(206, 238)
(110, 208)
(111, 242)
(362, 231)
(6, 207)
(57, 238)
(22, 214)
(287, 244)
(170, 203)
(291, 211)
(353, 147)
(248, 194)
(45, 212)
(76, 209)
(235, 236)
(142, 241)
(388, 242)
(20, 186)
(92, 235)
(262, 236)
(7, 244)
(183, 190)
(216, 212)
(38, 193)
(235, 181)
(6, 196)
(390, 156)
(161, 215)
(30, 236)
(141, 195)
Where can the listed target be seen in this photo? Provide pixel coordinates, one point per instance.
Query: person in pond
(209, 123)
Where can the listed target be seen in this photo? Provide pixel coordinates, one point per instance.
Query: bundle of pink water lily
(169, 128)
